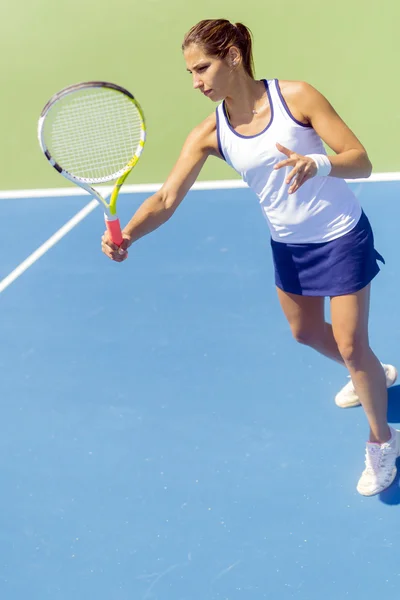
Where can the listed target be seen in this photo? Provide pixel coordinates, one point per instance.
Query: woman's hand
(116, 253)
(304, 168)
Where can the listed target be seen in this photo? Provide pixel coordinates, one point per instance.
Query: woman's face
(211, 75)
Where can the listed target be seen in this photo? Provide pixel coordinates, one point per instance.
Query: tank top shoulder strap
(221, 129)
(219, 113)
(279, 105)
(281, 108)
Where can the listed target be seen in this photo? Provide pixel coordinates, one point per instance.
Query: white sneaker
(347, 396)
(380, 465)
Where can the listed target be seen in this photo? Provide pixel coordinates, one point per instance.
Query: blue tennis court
(162, 435)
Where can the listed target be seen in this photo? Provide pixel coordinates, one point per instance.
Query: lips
(207, 92)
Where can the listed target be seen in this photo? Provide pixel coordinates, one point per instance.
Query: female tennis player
(272, 132)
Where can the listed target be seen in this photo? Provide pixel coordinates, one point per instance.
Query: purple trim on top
(285, 106)
(250, 137)
(218, 136)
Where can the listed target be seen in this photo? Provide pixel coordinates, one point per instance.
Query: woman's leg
(350, 329)
(306, 317)
(346, 341)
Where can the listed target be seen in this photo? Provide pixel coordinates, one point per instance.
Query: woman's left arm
(351, 159)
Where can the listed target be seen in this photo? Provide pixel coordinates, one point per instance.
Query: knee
(305, 336)
(352, 350)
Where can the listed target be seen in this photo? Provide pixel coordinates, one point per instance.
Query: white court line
(127, 189)
(139, 188)
(56, 237)
(64, 192)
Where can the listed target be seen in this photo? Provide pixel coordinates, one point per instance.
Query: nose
(197, 82)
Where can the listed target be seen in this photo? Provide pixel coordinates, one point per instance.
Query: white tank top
(323, 209)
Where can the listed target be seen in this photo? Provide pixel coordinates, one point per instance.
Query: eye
(200, 69)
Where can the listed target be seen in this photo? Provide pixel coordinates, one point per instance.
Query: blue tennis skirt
(342, 266)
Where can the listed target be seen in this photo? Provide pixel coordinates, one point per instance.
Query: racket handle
(114, 230)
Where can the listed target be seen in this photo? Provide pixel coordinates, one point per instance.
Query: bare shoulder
(312, 107)
(304, 100)
(298, 89)
(204, 135)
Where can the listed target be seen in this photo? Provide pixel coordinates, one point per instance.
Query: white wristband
(324, 165)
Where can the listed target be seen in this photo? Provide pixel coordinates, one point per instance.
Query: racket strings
(98, 134)
(93, 134)
(96, 121)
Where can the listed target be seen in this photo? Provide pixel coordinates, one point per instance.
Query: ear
(234, 56)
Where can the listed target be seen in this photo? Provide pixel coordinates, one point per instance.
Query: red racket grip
(114, 230)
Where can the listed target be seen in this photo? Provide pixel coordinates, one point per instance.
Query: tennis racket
(92, 133)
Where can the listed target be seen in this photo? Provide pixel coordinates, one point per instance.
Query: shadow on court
(394, 404)
(392, 495)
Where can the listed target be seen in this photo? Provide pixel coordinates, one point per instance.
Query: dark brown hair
(216, 36)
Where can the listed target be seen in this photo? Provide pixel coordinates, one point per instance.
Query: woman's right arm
(159, 207)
